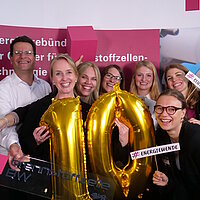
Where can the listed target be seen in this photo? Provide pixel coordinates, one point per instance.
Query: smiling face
(143, 80)
(176, 80)
(170, 123)
(113, 76)
(87, 82)
(22, 62)
(64, 78)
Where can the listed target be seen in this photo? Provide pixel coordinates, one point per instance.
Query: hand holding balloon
(39, 134)
(134, 122)
(67, 147)
(123, 132)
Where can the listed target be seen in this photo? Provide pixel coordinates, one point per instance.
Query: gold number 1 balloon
(67, 148)
(130, 110)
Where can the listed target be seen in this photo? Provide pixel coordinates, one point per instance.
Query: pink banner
(49, 42)
(126, 47)
(3, 161)
(191, 5)
(122, 47)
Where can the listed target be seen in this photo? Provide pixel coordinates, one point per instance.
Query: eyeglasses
(26, 53)
(110, 76)
(171, 110)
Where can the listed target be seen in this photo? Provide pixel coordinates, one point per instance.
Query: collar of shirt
(17, 80)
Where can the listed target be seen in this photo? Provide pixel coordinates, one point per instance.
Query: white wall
(101, 14)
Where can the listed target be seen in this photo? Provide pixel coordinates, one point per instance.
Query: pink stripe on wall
(191, 5)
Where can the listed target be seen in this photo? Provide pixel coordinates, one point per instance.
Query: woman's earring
(182, 119)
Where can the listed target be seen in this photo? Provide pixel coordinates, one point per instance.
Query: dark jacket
(184, 183)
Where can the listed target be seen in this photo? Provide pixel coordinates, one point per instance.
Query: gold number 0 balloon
(129, 109)
(67, 148)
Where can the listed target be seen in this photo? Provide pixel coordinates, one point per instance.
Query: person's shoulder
(6, 81)
(191, 127)
(192, 131)
(42, 81)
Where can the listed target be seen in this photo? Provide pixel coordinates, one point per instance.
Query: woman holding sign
(178, 171)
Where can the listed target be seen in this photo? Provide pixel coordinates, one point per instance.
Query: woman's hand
(79, 61)
(15, 155)
(160, 178)
(194, 121)
(41, 134)
(3, 123)
(123, 132)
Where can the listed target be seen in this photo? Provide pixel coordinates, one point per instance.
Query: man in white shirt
(19, 89)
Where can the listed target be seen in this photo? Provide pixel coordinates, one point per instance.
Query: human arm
(16, 116)
(41, 134)
(15, 154)
(194, 121)
(79, 61)
(13, 118)
(31, 122)
(123, 132)
(121, 153)
(8, 120)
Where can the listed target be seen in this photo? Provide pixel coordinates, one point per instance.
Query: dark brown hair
(105, 71)
(174, 93)
(192, 96)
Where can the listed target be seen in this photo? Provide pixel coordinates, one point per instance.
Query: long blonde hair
(81, 69)
(155, 88)
(60, 56)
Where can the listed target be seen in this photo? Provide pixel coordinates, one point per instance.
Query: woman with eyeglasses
(178, 172)
(111, 74)
(145, 84)
(175, 79)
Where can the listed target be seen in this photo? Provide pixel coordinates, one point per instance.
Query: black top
(184, 183)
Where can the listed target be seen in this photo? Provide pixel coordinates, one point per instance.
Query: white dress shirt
(15, 93)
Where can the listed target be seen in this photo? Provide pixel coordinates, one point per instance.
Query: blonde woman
(88, 84)
(145, 80)
(145, 84)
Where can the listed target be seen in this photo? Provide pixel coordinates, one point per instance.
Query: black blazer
(184, 183)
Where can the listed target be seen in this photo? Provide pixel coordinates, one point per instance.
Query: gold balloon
(132, 111)
(67, 149)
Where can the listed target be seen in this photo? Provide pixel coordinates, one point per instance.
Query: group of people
(175, 112)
